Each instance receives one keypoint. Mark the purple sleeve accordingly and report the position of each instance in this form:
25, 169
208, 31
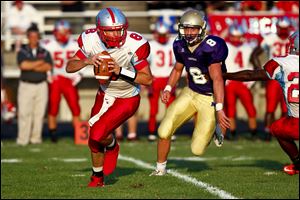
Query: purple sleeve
178, 56
219, 51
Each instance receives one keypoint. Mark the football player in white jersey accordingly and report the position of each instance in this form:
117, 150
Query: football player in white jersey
119, 98
62, 47
239, 58
275, 45
161, 61
285, 70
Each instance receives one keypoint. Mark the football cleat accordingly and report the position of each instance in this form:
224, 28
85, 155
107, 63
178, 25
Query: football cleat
291, 169
96, 182
110, 159
132, 137
157, 172
173, 138
218, 136
151, 138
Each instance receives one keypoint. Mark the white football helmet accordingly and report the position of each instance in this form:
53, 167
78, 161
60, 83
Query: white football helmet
112, 19
192, 19
283, 26
161, 32
62, 31
294, 43
236, 34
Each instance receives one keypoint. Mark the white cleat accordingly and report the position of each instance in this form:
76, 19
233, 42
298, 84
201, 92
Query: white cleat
158, 172
173, 138
152, 138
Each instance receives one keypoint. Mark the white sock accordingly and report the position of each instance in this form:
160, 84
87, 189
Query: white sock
97, 169
161, 166
112, 143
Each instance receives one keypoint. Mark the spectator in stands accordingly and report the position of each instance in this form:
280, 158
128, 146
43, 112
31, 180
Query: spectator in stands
74, 6
20, 18
253, 5
34, 63
286, 6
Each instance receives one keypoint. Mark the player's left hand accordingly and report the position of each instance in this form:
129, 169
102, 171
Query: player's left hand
223, 120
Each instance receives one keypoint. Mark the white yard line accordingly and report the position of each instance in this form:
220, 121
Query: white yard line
13, 160
211, 189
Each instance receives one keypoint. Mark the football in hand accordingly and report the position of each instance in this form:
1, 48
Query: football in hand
101, 72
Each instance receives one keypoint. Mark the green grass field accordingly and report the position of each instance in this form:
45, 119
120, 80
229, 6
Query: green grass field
241, 169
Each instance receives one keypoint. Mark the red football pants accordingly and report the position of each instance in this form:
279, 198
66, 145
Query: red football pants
234, 90
286, 128
158, 85
63, 86
117, 114
274, 95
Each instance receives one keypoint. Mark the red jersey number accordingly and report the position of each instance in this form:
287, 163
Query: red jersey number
59, 60
162, 58
293, 89
239, 59
135, 36
280, 49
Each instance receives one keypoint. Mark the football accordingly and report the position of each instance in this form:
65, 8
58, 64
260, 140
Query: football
101, 72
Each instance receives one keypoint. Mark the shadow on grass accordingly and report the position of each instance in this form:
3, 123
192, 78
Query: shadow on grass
265, 164
119, 172
190, 166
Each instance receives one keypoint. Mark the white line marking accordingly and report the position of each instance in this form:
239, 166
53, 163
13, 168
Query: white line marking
70, 159
11, 160
211, 189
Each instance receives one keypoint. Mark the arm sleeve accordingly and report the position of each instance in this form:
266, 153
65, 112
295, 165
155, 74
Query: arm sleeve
21, 57
220, 52
140, 57
80, 53
271, 68
48, 58
177, 55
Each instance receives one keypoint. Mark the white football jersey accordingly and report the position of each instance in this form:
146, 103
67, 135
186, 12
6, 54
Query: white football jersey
161, 59
239, 59
275, 45
60, 55
287, 74
125, 56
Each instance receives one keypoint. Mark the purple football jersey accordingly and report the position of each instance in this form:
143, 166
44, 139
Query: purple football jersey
211, 50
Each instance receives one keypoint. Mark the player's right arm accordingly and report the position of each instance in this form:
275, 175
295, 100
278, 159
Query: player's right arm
173, 79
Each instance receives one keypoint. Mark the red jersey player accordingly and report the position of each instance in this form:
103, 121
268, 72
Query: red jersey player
239, 58
275, 45
118, 99
285, 70
62, 47
161, 61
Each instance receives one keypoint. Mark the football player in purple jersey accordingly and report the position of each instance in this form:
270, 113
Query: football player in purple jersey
203, 57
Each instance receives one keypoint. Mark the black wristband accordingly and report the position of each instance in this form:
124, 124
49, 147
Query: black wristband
127, 74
